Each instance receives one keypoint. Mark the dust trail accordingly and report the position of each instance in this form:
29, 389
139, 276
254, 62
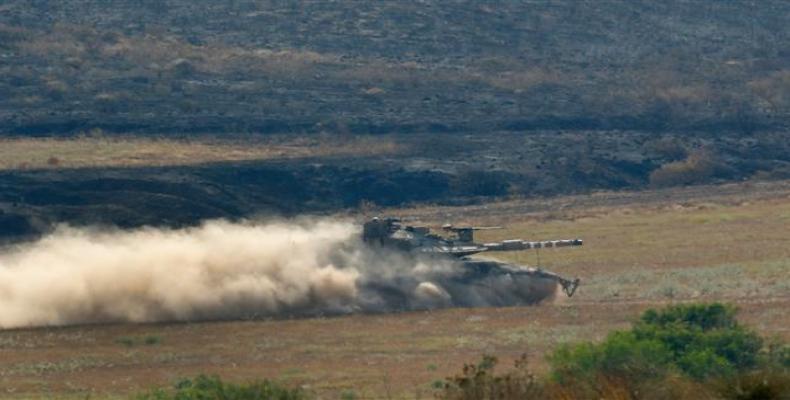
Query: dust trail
213, 271
224, 270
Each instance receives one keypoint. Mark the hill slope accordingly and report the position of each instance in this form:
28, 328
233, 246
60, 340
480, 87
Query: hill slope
518, 98
369, 67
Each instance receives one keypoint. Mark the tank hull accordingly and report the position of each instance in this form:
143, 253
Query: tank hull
464, 283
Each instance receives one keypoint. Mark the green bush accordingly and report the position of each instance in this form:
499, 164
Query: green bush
695, 351
704, 316
131, 341
700, 341
704, 339
212, 388
621, 355
777, 356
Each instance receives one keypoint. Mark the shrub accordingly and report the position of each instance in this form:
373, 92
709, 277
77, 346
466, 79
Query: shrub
152, 340
778, 356
205, 388
698, 167
704, 316
479, 382
762, 384
699, 341
704, 339
348, 395
695, 351
621, 355
131, 341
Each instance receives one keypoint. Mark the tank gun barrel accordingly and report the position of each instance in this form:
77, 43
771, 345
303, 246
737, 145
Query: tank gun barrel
451, 228
517, 244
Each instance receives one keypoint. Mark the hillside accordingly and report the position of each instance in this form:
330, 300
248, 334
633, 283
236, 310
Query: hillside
170, 112
374, 67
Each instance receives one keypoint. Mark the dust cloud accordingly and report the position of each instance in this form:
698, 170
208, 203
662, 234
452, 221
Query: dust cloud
224, 270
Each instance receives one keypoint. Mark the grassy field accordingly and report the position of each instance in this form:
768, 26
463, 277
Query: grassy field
135, 151
682, 251
644, 249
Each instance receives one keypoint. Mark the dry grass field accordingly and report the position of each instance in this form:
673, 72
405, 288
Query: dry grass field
724, 243
96, 150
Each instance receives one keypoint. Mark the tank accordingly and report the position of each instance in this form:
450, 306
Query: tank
464, 279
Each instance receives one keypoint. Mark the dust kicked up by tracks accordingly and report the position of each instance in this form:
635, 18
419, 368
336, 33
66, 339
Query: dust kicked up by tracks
224, 270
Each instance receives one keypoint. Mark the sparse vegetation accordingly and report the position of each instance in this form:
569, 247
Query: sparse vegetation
180, 181
397, 68
482, 183
700, 341
480, 382
131, 341
169, 113
697, 168
205, 388
683, 351
711, 243
680, 352
92, 149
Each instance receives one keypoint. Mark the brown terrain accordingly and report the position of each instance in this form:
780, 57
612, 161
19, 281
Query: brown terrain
643, 249
655, 131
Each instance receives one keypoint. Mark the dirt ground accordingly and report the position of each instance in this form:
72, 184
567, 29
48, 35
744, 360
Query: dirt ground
710, 243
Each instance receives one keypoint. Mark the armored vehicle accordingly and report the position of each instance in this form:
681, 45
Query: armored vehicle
463, 280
